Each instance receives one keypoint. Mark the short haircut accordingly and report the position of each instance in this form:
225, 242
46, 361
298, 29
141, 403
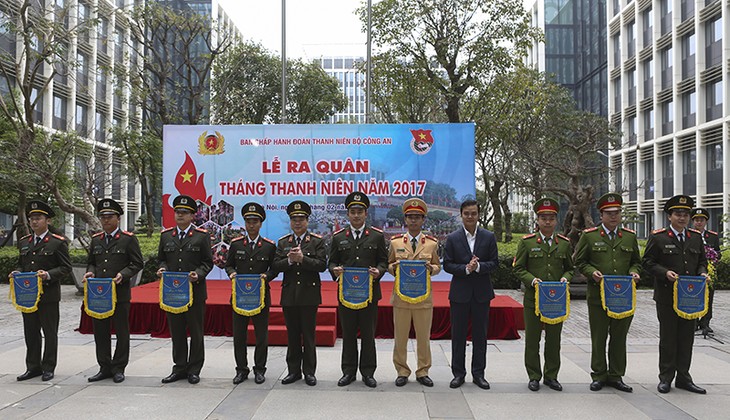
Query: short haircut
468, 203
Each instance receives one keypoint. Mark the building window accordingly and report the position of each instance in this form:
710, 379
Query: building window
647, 20
714, 96
102, 35
667, 176
688, 55
38, 107
666, 13
100, 86
116, 181
666, 56
100, 127
59, 113
648, 125
82, 70
631, 81
631, 130
616, 51
689, 171
630, 39
617, 94
689, 109
714, 168
648, 72
667, 118
633, 185
688, 9
713, 42
82, 114
648, 179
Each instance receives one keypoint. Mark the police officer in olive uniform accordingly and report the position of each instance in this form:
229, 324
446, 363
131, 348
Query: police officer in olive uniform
607, 249
47, 254
252, 254
670, 253
542, 256
114, 254
700, 217
359, 245
301, 256
185, 248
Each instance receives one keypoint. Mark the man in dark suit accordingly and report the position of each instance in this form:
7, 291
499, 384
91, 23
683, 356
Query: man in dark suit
711, 239
470, 254
115, 254
670, 253
359, 245
185, 248
301, 256
47, 254
252, 254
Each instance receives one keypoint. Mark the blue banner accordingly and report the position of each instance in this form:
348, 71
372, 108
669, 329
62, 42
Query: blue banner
691, 297
100, 297
25, 291
249, 293
412, 281
618, 296
176, 292
552, 301
356, 287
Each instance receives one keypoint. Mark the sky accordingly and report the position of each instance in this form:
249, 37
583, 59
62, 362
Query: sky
314, 27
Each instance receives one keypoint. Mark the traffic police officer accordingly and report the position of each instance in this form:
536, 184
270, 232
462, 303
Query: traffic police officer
542, 256
671, 252
114, 254
185, 248
711, 239
47, 254
301, 256
607, 249
252, 254
359, 245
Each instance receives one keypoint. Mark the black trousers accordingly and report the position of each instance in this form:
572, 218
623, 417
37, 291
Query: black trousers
301, 353
363, 320
460, 314
676, 337
45, 319
192, 320
240, 332
103, 340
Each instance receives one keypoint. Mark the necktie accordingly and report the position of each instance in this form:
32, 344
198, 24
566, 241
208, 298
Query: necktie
253, 245
182, 234
299, 241
108, 238
37, 240
681, 237
611, 235
549, 241
357, 234
413, 244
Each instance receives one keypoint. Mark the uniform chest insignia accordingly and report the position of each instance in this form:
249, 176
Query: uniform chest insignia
536, 249
344, 241
670, 246
401, 250
599, 244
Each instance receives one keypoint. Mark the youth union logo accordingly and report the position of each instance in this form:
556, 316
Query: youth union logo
422, 141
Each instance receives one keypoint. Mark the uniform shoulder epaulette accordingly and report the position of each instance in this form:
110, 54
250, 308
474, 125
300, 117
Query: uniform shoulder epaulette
315, 235
529, 235
285, 236
167, 230
128, 233
341, 230
694, 231
593, 229
268, 240
433, 238
26, 237
655, 231
97, 234
237, 239
628, 230
201, 230
712, 232
63, 238
376, 229
400, 235
563, 237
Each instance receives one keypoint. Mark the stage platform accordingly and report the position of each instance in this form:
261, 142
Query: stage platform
146, 317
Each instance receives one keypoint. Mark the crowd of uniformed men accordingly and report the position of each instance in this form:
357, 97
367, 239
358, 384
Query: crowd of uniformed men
470, 254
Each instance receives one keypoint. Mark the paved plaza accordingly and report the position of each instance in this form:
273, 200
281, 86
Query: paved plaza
70, 396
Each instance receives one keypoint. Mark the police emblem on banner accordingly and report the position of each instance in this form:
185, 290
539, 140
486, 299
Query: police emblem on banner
176, 292
25, 291
100, 297
211, 144
356, 287
248, 294
691, 297
412, 281
552, 301
618, 296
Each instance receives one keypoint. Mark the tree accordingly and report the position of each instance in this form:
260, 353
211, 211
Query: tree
313, 96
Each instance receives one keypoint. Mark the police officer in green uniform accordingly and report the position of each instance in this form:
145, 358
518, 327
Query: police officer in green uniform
610, 250
252, 254
185, 248
711, 239
114, 254
542, 256
47, 254
671, 252
359, 245
301, 256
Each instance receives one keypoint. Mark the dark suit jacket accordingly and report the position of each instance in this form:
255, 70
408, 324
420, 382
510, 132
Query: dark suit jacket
457, 255
301, 285
242, 260
122, 255
192, 253
368, 251
50, 255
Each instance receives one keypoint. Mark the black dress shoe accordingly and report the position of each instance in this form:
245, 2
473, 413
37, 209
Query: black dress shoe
346, 379
425, 381
691, 387
173, 377
369, 381
47, 376
533, 385
401, 380
553, 384
193, 378
621, 386
456, 382
310, 380
596, 386
291, 378
118, 377
29, 374
663, 387
259, 378
99, 376
481, 382
240, 377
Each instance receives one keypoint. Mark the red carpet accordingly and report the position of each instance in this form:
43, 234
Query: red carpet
146, 317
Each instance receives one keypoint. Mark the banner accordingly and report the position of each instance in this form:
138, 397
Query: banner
25, 291
412, 281
691, 297
356, 287
618, 296
249, 294
223, 167
100, 297
176, 292
552, 301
